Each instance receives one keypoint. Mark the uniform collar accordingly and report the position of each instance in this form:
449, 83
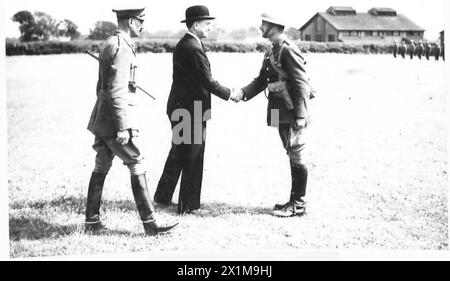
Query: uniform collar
279, 40
126, 37
196, 37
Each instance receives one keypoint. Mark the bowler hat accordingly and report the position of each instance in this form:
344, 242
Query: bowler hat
130, 13
272, 19
198, 12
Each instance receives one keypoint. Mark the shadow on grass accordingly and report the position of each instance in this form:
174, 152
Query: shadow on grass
37, 229
73, 204
78, 206
218, 209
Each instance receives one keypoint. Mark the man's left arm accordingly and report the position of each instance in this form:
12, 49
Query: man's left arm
298, 80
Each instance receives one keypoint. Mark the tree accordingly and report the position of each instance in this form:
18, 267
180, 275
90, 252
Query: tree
39, 26
26, 25
102, 29
67, 28
46, 26
293, 33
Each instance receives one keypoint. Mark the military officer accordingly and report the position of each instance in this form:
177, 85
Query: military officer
113, 122
283, 74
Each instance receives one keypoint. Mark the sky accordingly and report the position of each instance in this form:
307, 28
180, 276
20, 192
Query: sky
230, 14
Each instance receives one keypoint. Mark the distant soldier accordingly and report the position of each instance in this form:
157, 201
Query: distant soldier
419, 50
395, 49
113, 122
428, 50
412, 49
437, 51
402, 49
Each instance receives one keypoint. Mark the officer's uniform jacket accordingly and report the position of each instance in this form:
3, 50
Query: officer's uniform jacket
115, 108
292, 62
192, 79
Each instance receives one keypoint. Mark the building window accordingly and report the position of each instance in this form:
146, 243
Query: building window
308, 37
319, 37
389, 33
410, 33
331, 38
346, 33
396, 33
353, 33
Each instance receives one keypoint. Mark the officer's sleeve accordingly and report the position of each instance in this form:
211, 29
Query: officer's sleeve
257, 85
298, 80
201, 64
121, 58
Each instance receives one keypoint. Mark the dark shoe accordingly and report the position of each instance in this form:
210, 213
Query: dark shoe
280, 206
162, 203
93, 227
94, 197
153, 227
187, 207
291, 210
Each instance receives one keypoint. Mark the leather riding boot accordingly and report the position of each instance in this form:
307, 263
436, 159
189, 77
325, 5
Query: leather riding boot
296, 205
145, 207
94, 197
299, 176
299, 173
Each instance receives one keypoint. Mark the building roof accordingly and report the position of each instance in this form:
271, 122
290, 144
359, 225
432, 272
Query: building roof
342, 8
366, 21
382, 9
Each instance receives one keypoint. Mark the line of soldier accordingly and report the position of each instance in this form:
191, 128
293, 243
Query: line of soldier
412, 49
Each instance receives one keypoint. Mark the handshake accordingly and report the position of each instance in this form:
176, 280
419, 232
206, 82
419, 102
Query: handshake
236, 95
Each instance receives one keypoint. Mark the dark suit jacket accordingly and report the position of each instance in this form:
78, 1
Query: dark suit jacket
192, 79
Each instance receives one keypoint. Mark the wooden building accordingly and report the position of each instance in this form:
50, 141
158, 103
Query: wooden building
344, 24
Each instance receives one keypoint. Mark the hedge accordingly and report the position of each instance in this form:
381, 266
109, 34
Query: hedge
167, 46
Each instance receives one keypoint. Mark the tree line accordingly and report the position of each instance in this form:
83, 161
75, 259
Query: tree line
40, 26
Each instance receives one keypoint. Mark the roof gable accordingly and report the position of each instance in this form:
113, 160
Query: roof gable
366, 21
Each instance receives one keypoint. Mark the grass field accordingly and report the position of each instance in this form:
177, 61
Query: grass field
377, 153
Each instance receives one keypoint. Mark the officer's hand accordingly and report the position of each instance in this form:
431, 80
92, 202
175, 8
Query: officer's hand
299, 123
123, 137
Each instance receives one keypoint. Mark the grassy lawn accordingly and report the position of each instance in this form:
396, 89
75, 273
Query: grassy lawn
377, 154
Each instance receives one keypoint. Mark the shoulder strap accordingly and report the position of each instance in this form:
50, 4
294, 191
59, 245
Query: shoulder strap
118, 47
281, 73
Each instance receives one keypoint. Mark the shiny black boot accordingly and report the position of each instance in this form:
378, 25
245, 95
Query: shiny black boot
94, 196
145, 207
296, 205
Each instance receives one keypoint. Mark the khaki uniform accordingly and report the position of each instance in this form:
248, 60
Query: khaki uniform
288, 57
115, 109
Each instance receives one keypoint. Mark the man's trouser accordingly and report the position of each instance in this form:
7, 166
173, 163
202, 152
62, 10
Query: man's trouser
188, 159
107, 149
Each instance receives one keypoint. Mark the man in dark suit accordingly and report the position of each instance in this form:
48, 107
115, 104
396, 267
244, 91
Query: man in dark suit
188, 109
